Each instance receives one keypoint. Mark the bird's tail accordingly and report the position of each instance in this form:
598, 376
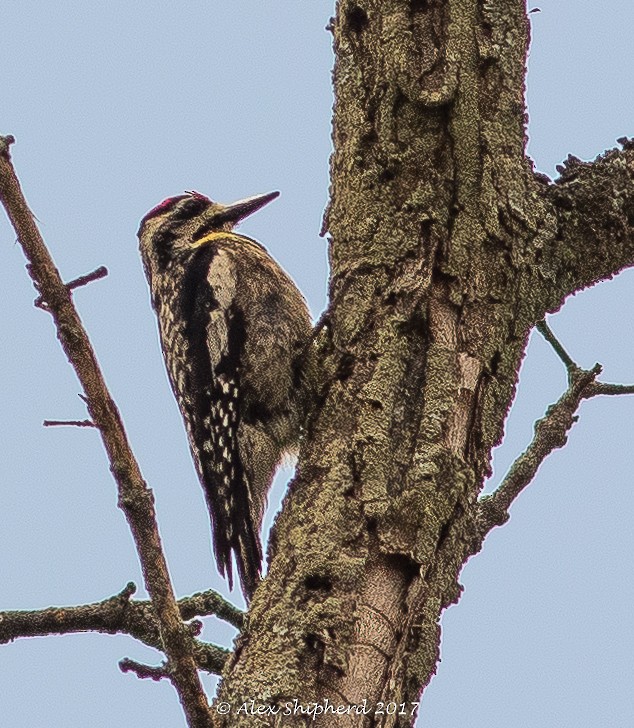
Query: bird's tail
233, 529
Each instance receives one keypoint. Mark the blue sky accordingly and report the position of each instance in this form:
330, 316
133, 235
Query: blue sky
116, 106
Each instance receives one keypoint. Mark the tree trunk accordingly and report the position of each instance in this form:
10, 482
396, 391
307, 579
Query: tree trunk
446, 249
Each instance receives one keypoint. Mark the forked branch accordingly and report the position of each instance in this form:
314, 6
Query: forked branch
551, 432
120, 615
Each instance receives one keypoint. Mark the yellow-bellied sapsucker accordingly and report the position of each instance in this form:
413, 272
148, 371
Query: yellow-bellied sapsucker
233, 329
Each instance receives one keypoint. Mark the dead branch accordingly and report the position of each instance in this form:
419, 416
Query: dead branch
119, 615
135, 498
68, 423
100, 272
551, 432
144, 671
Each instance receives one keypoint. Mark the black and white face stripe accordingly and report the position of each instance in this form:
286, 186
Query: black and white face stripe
170, 219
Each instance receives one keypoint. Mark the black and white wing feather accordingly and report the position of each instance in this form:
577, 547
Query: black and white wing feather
215, 337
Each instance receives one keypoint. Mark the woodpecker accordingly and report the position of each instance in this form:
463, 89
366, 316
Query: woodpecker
233, 328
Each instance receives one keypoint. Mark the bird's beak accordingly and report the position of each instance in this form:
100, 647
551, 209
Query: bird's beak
241, 209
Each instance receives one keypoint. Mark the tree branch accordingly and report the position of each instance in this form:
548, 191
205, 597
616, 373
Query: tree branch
144, 671
119, 615
545, 330
551, 432
84, 280
594, 208
599, 388
68, 423
203, 604
135, 498
100, 272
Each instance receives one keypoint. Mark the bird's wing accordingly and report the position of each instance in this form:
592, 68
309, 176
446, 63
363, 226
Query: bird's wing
216, 341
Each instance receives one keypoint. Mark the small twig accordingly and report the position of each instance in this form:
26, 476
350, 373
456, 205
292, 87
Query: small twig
599, 388
210, 602
144, 671
545, 330
68, 423
100, 272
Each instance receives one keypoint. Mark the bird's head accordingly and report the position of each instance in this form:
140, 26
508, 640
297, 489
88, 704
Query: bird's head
178, 225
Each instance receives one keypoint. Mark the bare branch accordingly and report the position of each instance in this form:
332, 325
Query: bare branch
210, 602
551, 432
100, 272
119, 615
112, 616
144, 671
599, 388
155, 673
545, 330
68, 423
135, 498
5, 143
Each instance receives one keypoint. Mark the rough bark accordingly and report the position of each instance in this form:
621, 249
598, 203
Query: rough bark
446, 248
